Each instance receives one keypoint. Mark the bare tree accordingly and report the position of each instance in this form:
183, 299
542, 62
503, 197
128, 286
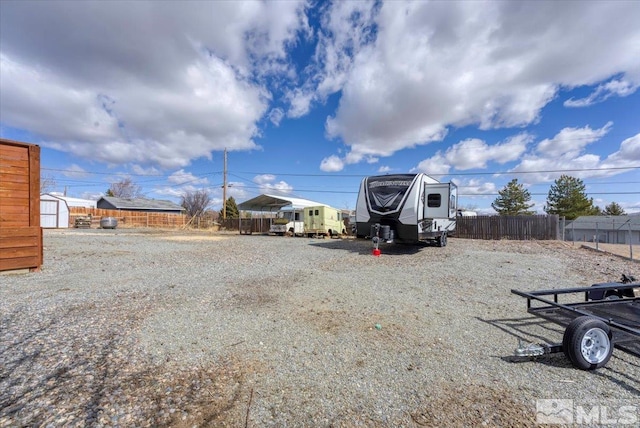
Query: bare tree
47, 183
195, 202
125, 188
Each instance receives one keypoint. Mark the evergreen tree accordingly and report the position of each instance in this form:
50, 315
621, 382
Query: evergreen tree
567, 198
513, 200
232, 208
613, 209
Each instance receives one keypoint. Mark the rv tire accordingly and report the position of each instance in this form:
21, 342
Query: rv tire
442, 240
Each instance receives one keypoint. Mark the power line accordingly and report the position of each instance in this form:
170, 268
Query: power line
284, 174
546, 194
450, 173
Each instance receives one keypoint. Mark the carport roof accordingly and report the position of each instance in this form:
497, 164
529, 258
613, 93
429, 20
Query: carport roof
274, 203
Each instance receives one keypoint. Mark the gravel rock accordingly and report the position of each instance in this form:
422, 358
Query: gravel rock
175, 328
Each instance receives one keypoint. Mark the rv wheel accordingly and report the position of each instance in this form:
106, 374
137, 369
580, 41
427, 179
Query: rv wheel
442, 240
587, 343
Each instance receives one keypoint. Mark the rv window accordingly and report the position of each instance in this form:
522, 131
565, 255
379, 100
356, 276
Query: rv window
297, 217
317, 212
434, 200
310, 213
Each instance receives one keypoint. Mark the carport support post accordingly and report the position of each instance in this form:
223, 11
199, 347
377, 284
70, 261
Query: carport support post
630, 242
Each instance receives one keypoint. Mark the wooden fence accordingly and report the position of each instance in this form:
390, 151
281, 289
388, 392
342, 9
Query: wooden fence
539, 227
249, 225
536, 227
129, 218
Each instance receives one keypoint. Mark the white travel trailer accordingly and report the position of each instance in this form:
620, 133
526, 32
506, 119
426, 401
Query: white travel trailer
406, 208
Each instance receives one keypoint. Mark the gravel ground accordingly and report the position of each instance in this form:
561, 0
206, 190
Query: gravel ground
174, 328
621, 250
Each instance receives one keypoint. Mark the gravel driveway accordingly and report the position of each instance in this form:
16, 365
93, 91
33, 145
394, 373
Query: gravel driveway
154, 328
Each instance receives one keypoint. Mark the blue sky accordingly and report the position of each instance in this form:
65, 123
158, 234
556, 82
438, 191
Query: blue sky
310, 97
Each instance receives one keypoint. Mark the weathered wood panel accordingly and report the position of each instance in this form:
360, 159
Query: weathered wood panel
15, 185
20, 232
22, 178
524, 228
13, 220
9, 193
20, 208
21, 248
20, 263
13, 152
252, 225
18, 241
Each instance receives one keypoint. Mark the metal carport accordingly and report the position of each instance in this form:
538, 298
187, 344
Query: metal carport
273, 203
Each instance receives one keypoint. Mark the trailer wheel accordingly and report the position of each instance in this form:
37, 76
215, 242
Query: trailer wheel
442, 240
612, 295
587, 343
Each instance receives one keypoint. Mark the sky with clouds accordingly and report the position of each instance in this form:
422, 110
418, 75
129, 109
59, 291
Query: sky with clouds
309, 97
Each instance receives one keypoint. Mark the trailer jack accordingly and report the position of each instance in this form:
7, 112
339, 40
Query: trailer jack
376, 250
380, 233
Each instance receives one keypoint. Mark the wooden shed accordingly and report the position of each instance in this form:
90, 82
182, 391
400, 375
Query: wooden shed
54, 212
55, 209
20, 232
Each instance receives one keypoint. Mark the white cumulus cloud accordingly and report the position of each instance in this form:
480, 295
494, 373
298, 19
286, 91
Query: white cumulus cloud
434, 65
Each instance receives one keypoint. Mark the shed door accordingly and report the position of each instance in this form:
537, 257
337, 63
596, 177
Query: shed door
49, 213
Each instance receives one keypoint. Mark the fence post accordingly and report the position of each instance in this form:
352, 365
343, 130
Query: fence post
597, 233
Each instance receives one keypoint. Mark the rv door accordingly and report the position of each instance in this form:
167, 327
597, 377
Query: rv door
440, 200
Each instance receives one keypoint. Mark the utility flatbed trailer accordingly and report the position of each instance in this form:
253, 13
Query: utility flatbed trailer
607, 316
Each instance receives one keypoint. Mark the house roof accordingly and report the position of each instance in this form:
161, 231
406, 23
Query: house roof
274, 203
72, 202
141, 204
614, 222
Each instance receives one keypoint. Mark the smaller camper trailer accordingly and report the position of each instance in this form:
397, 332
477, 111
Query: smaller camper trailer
288, 220
323, 220
406, 208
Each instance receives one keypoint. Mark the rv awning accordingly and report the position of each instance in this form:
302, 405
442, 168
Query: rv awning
275, 203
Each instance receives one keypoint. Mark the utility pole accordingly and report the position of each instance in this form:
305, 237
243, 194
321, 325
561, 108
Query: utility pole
224, 187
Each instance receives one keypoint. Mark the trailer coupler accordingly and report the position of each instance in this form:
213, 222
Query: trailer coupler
381, 233
536, 349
